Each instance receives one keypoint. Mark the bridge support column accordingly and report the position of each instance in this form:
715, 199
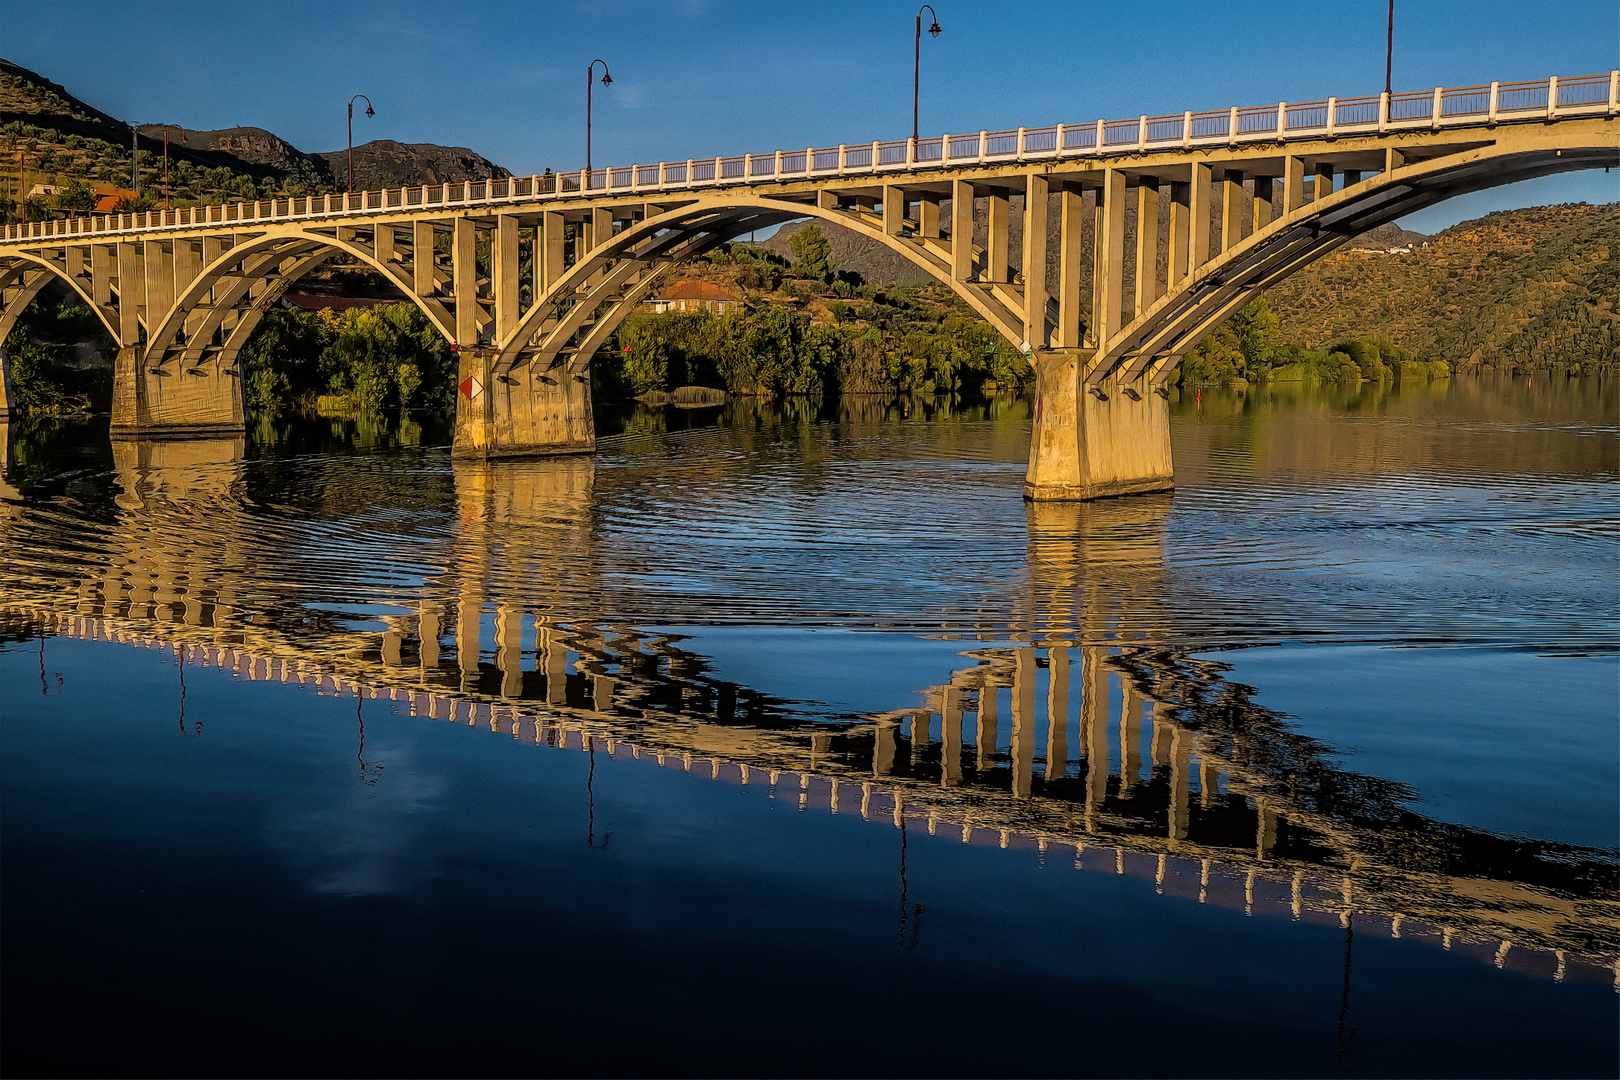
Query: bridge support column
166, 397
522, 412
1094, 444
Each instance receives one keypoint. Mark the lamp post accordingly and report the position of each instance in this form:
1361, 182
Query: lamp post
916, 68
607, 80
349, 166
166, 164
1389, 47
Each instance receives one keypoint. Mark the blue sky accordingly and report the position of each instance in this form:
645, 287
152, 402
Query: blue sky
694, 78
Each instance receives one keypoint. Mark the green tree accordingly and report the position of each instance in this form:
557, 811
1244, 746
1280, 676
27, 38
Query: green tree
812, 252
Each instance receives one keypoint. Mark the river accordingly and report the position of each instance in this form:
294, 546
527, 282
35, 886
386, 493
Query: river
785, 740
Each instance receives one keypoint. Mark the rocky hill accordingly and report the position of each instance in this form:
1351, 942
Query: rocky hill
72, 139
385, 163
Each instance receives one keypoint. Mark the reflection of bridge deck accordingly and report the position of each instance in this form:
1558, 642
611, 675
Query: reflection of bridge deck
1218, 830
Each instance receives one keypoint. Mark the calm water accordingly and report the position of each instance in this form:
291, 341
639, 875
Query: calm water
776, 742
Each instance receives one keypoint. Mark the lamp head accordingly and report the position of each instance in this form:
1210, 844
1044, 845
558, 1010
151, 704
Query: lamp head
607, 80
370, 111
934, 29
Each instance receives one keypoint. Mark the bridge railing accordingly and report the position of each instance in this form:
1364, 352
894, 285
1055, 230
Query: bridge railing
1495, 103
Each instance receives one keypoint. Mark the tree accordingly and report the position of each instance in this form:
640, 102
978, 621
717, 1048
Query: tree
812, 253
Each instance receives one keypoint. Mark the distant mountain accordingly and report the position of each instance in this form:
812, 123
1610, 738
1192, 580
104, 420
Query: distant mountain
385, 163
29, 98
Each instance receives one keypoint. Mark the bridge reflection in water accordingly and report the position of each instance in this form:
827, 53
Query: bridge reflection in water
1079, 730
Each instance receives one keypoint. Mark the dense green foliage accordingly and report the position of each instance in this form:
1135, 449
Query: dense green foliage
365, 358
42, 382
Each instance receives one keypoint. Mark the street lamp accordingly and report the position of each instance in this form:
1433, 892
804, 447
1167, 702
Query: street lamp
1389, 47
916, 69
607, 80
369, 112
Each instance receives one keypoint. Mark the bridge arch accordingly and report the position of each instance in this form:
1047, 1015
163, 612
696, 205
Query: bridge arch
21, 279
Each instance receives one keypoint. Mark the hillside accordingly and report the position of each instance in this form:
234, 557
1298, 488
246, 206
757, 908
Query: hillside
1521, 286
68, 140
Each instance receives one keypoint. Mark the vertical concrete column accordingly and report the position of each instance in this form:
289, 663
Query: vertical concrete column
1293, 184
1180, 763
987, 734
950, 736
1264, 188
1057, 712
1322, 186
429, 625
961, 230
469, 616
1231, 209
1109, 299
551, 658
382, 243
894, 209
505, 272
1393, 159
997, 245
509, 648
1036, 190
1071, 218
464, 274
1023, 716
1352, 177
422, 258
1147, 243
554, 226
159, 277
1057, 462
1200, 216
1094, 727
1177, 267
187, 268
74, 258
1130, 738
928, 214
101, 273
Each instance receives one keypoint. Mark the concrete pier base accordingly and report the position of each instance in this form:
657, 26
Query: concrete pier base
523, 412
1094, 445
175, 397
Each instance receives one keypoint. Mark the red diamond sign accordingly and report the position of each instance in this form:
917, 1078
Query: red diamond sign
471, 387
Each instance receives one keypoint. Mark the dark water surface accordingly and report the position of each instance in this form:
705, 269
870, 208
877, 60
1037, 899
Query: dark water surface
783, 742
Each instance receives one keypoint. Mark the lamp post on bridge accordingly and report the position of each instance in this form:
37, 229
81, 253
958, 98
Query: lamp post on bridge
607, 80
349, 166
916, 67
1389, 48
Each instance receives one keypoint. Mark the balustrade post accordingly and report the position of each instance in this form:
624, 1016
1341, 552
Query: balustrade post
843, 158
1552, 98
1186, 130
1383, 112
911, 153
748, 168
1282, 120
1333, 115
1141, 134
1232, 126
809, 160
1022, 148
1490, 117
719, 169
1057, 147
1437, 99
875, 152
466, 191
691, 178
1614, 92
1102, 133
984, 145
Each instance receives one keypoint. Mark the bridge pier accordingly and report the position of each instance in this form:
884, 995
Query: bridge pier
1095, 444
175, 396
520, 412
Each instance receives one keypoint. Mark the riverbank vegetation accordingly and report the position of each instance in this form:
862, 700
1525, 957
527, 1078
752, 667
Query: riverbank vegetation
386, 356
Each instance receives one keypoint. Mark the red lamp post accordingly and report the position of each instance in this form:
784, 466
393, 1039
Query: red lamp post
916, 70
349, 167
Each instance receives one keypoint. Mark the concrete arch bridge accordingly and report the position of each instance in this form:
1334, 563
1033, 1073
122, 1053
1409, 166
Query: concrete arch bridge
1244, 198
